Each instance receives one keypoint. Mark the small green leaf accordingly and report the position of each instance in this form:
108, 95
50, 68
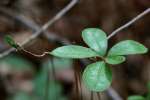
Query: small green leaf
115, 59
97, 76
127, 47
95, 39
11, 41
73, 51
136, 97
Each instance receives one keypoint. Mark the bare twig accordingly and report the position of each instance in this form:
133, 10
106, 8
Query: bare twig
98, 96
129, 23
50, 22
91, 97
113, 94
33, 54
33, 25
44, 27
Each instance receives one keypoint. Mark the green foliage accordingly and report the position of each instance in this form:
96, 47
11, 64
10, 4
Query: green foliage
74, 51
11, 42
136, 97
21, 96
127, 47
98, 76
55, 89
58, 63
16, 63
115, 59
95, 39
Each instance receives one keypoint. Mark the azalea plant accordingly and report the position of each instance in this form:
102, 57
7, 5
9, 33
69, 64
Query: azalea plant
98, 75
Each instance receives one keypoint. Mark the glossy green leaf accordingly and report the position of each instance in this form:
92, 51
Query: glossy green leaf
136, 97
115, 59
127, 47
11, 41
73, 51
95, 39
97, 76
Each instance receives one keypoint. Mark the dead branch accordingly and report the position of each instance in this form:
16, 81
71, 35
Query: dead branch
129, 23
44, 27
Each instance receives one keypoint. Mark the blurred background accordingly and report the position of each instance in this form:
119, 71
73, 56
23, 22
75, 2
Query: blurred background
24, 77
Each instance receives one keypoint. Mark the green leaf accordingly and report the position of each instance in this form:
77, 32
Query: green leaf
95, 39
73, 51
115, 59
97, 77
136, 97
127, 47
11, 42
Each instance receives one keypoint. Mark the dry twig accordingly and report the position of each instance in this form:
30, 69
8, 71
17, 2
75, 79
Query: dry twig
44, 27
129, 23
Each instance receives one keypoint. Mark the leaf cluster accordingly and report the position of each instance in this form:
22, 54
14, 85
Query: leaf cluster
98, 75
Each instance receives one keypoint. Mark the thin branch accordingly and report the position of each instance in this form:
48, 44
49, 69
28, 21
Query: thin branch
98, 96
91, 97
113, 94
44, 27
129, 23
33, 26
50, 22
76, 82
33, 54
46, 96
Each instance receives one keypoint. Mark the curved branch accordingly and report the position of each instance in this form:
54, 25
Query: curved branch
129, 23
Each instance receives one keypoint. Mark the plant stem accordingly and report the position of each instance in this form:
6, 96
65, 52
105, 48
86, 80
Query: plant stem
54, 75
76, 82
35, 55
79, 81
47, 84
91, 96
98, 95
